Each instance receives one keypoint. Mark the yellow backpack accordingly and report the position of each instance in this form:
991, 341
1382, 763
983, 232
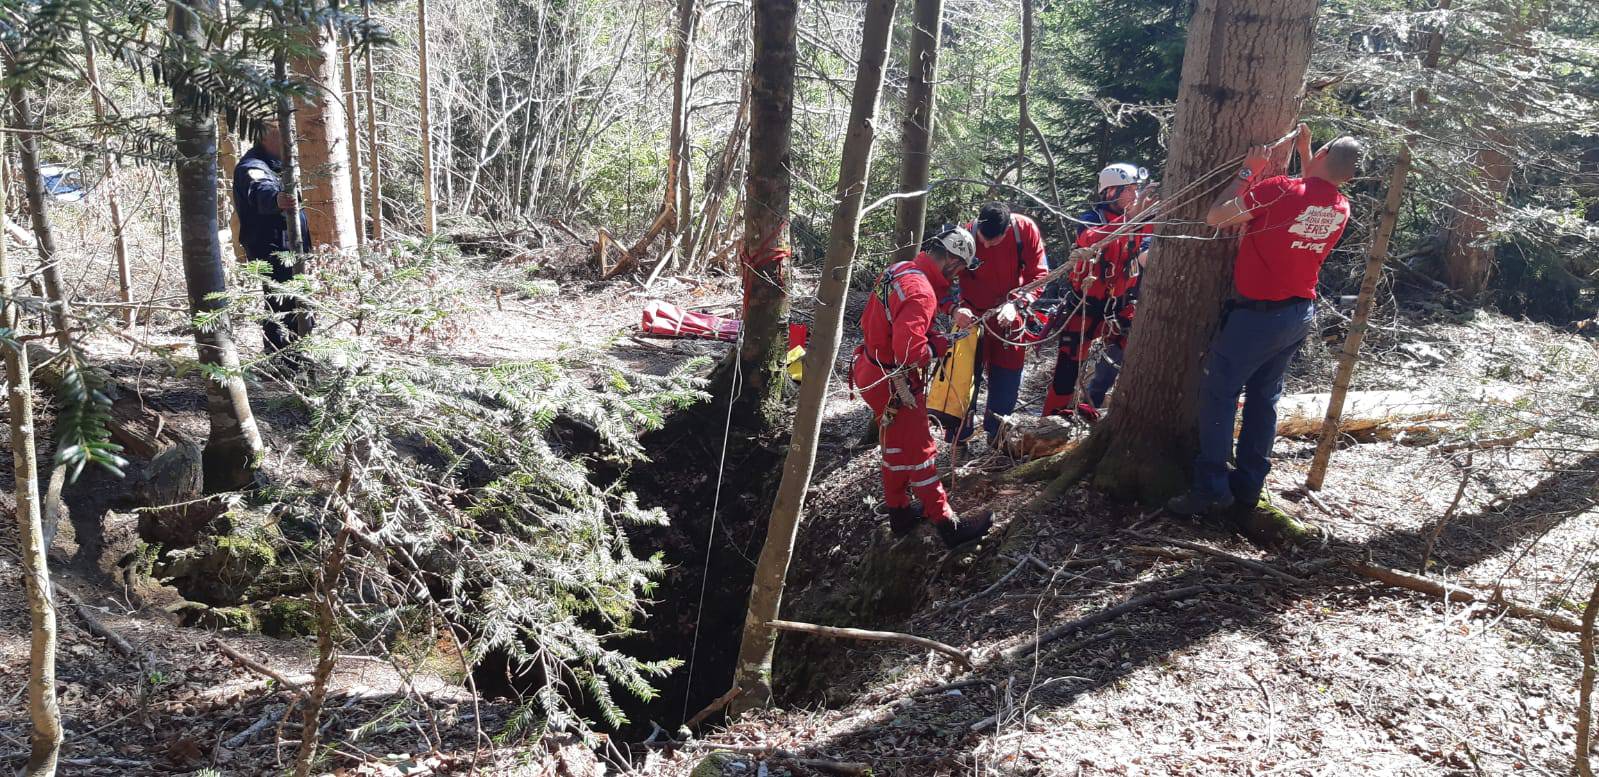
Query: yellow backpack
954, 382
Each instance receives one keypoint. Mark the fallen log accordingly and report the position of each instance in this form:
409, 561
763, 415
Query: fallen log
1383, 415
141, 431
1449, 593
959, 655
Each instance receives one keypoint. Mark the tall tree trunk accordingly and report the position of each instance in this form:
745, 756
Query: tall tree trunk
324, 148
43, 711
119, 243
233, 449
753, 374
679, 192
227, 159
373, 159
1023, 120
1585, 689
1242, 84
425, 122
916, 131
1359, 322
44, 239
352, 141
754, 668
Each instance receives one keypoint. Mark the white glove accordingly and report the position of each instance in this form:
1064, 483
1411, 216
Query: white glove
964, 318
1008, 314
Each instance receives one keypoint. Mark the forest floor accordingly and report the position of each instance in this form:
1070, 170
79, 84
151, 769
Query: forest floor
1331, 674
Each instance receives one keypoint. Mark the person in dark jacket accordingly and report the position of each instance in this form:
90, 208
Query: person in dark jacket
260, 201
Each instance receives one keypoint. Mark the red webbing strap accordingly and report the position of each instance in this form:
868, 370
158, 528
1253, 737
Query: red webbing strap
770, 253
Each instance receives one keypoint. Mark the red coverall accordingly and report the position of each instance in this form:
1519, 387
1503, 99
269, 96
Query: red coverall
1104, 288
1001, 272
898, 335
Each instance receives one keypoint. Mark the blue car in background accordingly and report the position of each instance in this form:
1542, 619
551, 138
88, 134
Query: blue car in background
62, 183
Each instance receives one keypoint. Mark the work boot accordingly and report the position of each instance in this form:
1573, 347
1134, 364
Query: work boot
956, 531
1194, 504
904, 520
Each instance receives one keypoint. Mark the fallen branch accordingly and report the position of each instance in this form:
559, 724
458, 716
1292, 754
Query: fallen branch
840, 767
1108, 614
1585, 688
1221, 554
959, 655
711, 709
1000, 583
272, 716
1435, 589
296, 685
99, 629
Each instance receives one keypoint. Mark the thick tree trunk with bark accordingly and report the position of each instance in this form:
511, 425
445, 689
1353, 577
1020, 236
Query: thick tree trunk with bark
43, 710
1242, 84
916, 131
425, 122
227, 159
753, 672
1469, 250
324, 147
753, 375
233, 450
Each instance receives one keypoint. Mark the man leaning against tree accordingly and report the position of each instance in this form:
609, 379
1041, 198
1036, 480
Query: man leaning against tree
1289, 225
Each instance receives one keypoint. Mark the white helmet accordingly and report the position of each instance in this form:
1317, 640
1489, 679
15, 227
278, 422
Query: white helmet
958, 242
1121, 174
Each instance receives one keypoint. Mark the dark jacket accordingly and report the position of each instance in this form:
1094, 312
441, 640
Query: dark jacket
263, 231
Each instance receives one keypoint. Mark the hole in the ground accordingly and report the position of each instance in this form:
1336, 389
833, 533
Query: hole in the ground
681, 478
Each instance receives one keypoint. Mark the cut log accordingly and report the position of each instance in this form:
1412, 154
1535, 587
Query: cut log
1450, 593
1382, 415
141, 431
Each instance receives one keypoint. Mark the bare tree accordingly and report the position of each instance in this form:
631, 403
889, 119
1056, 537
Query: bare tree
42, 707
1223, 107
753, 676
374, 161
910, 214
1585, 692
108, 167
352, 140
1023, 119
233, 450
425, 122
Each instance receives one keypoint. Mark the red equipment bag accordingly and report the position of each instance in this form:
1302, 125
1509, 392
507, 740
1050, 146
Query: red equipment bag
663, 319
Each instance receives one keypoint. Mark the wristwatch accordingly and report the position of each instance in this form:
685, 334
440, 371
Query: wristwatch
1245, 174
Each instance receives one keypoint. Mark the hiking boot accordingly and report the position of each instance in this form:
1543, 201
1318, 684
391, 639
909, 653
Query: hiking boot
1194, 504
956, 531
904, 520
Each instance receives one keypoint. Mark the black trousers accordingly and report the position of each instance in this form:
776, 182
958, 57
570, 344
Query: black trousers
287, 316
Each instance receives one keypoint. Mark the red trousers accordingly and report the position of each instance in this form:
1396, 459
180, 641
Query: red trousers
909, 452
1096, 318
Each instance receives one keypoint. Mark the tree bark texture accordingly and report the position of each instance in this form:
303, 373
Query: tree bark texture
1022, 118
753, 374
678, 194
373, 160
38, 210
352, 141
43, 711
754, 668
324, 162
425, 122
108, 167
1359, 322
233, 449
1242, 85
916, 130
227, 159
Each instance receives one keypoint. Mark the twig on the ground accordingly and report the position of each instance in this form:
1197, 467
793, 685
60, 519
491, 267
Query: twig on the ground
1111, 613
954, 686
1449, 593
959, 655
1585, 692
827, 764
1438, 528
273, 715
293, 684
998, 584
1221, 554
99, 629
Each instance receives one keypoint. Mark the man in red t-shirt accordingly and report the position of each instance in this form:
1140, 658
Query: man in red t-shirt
1010, 254
1290, 226
890, 375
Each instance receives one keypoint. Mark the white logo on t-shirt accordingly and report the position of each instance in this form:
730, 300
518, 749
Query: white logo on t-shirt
1317, 222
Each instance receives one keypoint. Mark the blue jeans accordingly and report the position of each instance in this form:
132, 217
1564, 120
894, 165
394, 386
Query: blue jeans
1105, 372
1250, 355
